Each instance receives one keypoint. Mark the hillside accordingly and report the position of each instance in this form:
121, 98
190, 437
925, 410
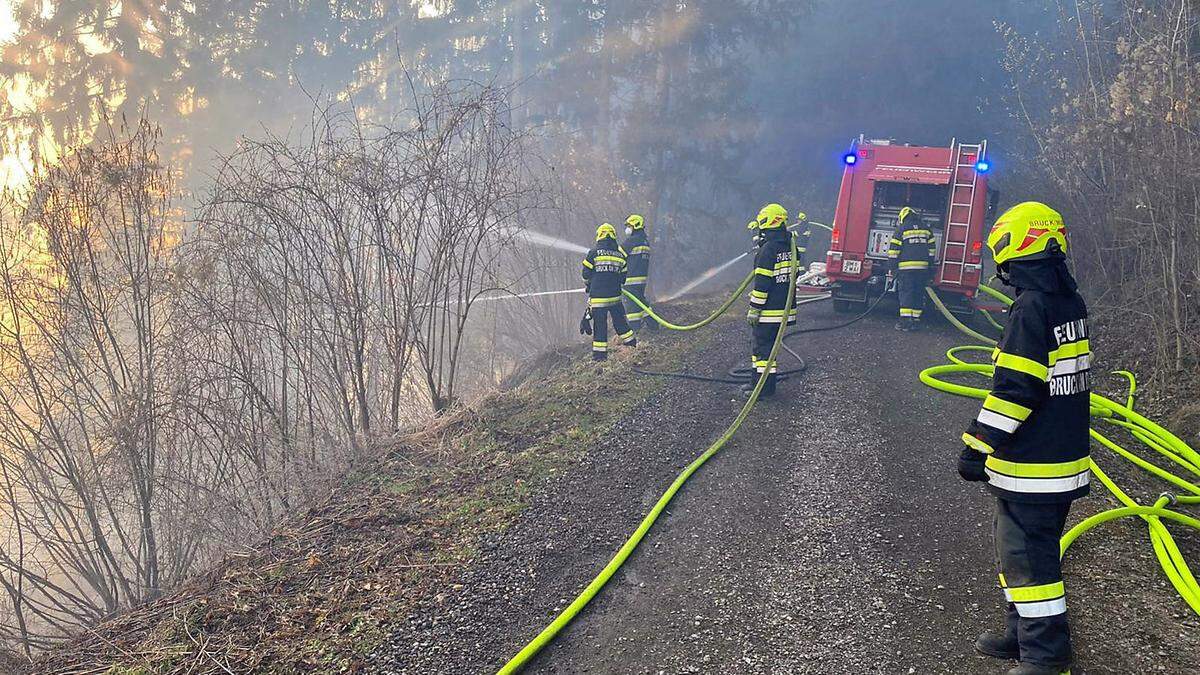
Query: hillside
830, 536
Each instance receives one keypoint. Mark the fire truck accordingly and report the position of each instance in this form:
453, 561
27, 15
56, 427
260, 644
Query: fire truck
948, 189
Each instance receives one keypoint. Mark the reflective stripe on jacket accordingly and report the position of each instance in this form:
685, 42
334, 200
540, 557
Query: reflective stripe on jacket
912, 248
1034, 424
772, 274
637, 247
604, 271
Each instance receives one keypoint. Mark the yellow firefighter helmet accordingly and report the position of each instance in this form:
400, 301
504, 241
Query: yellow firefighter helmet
771, 217
1028, 231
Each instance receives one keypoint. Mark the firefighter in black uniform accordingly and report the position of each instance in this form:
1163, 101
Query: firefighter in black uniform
604, 271
768, 296
912, 251
803, 231
637, 248
1030, 440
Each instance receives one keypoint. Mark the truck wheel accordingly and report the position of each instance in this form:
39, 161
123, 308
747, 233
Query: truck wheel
845, 306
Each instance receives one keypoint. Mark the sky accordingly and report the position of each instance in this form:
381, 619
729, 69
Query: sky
7, 27
12, 170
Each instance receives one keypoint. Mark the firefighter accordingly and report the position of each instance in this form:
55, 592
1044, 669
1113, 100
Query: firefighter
803, 230
912, 252
637, 248
1029, 442
768, 296
604, 271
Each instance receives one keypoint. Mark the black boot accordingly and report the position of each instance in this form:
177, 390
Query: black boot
599, 356
649, 323
997, 645
1034, 669
768, 389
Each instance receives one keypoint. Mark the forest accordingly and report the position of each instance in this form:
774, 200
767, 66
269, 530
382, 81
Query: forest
245, 243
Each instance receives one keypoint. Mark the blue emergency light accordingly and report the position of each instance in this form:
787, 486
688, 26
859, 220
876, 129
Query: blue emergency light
982, 166
850, 159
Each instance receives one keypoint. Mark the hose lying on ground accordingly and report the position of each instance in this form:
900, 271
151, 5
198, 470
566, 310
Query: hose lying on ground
739, 375
836, 326
549, 632
1146, 431
743, 374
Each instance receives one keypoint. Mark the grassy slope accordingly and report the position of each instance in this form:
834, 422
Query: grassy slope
319, 594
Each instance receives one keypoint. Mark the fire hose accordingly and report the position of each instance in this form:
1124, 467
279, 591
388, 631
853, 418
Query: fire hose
699, 324
1148, 432
560, 622
1122, 416
742, 375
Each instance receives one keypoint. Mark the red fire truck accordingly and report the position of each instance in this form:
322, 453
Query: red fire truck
946, 186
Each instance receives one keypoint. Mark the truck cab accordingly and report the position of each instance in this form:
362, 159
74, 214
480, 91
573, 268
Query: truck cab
947, 187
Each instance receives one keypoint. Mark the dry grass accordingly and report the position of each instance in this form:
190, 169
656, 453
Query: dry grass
320, 593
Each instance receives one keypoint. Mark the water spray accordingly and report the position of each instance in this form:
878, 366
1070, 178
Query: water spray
708, 274
546, 240
538, 294
508, 296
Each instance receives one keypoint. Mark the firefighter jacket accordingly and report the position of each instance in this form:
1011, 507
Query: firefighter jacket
637, 247
1033, 426
604, 271
772, 275
913, 247
803, 234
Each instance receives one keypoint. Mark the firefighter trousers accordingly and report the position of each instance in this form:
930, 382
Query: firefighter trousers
1027, 550
600, 317
763, 338
910, 289
634, 313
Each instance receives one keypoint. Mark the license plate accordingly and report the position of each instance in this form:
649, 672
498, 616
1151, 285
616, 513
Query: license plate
852, 266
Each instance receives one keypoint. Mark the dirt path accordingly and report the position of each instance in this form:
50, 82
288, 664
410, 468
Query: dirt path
831, 535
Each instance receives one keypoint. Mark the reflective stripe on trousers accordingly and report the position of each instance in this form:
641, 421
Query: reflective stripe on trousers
1027, 552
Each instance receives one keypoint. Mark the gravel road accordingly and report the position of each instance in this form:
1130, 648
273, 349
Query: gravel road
830, 536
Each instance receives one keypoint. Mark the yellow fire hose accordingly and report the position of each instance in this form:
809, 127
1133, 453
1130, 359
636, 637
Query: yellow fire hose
711, 317
551, 631
1150, 434
699, 324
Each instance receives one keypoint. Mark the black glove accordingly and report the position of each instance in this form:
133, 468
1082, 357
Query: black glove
971, 465
585, 324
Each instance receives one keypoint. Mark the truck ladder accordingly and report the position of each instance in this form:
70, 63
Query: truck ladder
964, 179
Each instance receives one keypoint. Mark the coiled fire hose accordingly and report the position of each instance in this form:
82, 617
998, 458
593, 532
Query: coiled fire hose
1123, 416
556, 626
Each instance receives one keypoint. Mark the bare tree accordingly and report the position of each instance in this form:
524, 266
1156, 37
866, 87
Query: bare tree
1118, 135
84, 406
168, 393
